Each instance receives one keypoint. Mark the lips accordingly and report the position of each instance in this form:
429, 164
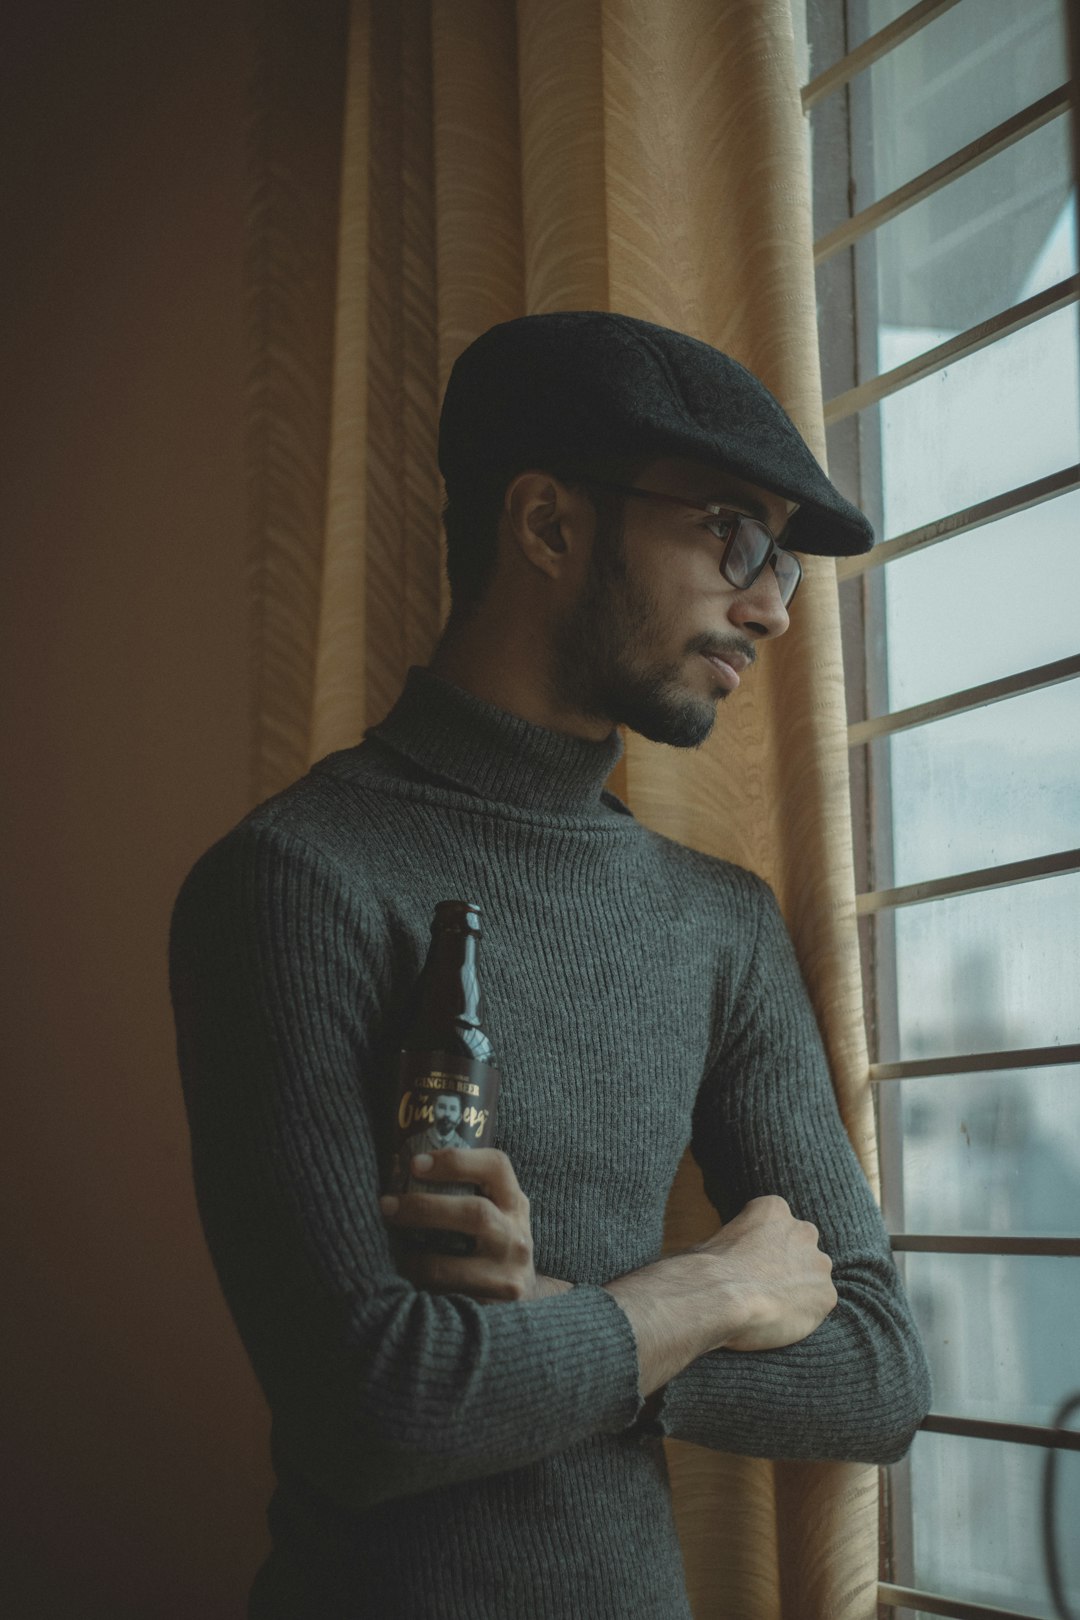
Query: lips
728, 666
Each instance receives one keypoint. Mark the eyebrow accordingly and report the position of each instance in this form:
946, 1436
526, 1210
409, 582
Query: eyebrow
730, 498
755, 507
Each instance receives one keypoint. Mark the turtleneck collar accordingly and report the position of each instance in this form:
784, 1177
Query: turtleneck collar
493, 753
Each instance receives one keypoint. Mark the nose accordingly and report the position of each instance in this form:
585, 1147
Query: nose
758, 609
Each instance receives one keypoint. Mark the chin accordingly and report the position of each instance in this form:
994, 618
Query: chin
664, 717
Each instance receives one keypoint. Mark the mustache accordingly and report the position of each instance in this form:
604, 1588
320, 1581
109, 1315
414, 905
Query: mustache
720, 647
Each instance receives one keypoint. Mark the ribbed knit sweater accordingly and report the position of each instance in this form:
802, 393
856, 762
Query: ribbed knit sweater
438, 1457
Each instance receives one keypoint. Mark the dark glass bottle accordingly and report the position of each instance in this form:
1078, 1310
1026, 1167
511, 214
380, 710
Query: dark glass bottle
447, 1073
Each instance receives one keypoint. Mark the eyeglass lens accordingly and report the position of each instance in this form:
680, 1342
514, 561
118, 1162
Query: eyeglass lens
747, 554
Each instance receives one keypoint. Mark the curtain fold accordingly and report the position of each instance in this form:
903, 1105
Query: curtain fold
292, 214
339, 695
487, 161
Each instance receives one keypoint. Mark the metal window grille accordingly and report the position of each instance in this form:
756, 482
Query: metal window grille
848, 39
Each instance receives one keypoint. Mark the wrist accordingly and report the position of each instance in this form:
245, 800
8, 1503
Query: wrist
675, 1308
731, 1305
717, 1306
547, 1287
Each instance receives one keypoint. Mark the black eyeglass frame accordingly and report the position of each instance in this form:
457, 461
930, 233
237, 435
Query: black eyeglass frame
741, 520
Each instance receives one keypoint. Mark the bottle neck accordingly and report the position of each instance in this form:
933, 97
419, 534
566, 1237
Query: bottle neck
451, 986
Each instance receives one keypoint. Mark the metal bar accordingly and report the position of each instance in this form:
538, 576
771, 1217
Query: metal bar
872, 49
1072, 29
1024, 1057
1020, 1434
966, 343
987, 877
1012, 501
907, 1597
972, 697
958, 163
949, 1243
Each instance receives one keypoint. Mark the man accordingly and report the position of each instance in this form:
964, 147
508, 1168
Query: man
482, 1436
443, 1132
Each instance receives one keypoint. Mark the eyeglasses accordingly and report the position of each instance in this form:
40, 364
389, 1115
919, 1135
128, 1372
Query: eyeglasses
749, 546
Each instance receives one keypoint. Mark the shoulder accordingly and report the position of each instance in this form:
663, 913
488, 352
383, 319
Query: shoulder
709, 879
320, 819
298, 859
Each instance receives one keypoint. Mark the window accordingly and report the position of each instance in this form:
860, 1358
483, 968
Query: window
946, 246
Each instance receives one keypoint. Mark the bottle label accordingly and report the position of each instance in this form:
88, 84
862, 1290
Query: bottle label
443, 1101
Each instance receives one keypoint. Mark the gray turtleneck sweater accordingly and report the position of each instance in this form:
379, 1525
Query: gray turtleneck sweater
437, 1457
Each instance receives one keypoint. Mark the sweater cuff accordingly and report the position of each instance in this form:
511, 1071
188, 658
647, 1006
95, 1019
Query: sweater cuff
606, 1329
705, 1398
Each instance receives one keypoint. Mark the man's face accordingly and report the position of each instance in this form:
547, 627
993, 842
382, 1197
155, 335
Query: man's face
447, 1114
632, 648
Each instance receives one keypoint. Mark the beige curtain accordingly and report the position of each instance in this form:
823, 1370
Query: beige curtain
421, 169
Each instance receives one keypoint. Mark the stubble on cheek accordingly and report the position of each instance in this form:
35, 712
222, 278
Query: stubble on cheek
626, 669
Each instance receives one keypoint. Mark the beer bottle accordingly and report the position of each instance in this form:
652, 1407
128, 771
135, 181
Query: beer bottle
448, 1081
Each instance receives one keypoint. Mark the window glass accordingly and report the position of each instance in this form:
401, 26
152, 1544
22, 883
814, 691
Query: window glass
989, 971
996, 236
996, 784
976, 1530
871, 16
984, 604
959, 76
998, 1331
1003, 416
865, 17
997, 1152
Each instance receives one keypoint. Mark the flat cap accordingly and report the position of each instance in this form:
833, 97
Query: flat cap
584, 383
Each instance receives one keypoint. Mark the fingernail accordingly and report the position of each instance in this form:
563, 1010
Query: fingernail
422, 1162
389, 1204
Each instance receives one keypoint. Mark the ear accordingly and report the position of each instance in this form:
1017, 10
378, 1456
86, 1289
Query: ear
544, 519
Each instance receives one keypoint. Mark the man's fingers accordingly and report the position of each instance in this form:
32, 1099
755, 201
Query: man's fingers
488, 1168
492, 1228
485, 1280
469, 1214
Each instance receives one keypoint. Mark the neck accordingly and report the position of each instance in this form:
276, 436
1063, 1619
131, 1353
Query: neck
501, 662
470, 742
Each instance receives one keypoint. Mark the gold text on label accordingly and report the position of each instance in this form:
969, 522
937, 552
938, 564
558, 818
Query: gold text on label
409, 1113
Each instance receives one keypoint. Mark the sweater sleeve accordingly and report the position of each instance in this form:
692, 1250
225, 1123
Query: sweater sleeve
377, 1389
766, 1121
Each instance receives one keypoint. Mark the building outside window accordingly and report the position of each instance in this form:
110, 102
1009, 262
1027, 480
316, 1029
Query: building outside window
946, 249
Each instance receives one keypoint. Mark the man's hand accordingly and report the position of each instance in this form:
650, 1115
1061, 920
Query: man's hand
501, 1268
759, 1283
772, 1265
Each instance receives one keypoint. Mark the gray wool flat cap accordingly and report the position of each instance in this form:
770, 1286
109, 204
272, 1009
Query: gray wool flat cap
586, 383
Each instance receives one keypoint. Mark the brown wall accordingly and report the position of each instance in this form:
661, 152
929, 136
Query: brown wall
134, 1438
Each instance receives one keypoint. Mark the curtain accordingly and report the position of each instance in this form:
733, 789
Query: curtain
419, 170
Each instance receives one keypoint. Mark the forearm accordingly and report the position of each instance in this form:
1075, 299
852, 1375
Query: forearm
440, 1391
679, 1309
855, 1390
766, 1122
677, 1315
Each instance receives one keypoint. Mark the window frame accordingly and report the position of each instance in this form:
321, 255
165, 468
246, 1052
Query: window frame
847, 306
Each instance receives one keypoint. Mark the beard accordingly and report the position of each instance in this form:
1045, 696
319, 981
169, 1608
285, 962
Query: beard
600, 666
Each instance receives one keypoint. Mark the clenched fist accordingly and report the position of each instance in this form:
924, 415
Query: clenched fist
772, 1264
